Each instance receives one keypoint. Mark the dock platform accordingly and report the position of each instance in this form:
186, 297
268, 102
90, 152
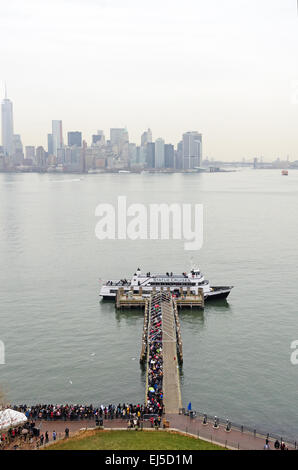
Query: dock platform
138, 300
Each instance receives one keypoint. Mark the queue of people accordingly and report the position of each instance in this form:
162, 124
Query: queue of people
68, 412
155, 364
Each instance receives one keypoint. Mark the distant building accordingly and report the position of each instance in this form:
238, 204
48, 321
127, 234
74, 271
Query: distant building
138, 154
95, 157
61, 155
179, 156
30, 153
7, 125
150, 157
74, 139
143, 155
119, 144
118, 136
72, 158
132, 150
146, 137
159, 153
18, 155
192, 150
50, 144
41, 157
57, 136
98, 139
169, 156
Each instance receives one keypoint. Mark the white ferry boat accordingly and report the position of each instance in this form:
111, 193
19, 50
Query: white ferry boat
193, 280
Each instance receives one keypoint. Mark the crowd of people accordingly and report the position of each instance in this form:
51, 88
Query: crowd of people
20, 436
69, 412
155, 364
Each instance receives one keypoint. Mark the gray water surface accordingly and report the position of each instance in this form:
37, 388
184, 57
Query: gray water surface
63, 345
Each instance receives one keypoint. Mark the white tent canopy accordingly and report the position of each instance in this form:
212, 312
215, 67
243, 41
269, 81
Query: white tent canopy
11, 419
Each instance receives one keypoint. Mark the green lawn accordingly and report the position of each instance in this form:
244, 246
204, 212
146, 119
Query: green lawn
132, 440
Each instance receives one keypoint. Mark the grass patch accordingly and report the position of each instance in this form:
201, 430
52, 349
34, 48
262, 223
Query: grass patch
132, 440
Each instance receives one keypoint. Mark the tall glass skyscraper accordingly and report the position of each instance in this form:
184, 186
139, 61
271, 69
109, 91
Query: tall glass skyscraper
7, 125
57, 136
159, 153
192, 150
50, 144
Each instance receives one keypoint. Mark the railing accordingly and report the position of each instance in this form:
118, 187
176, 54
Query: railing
253, 432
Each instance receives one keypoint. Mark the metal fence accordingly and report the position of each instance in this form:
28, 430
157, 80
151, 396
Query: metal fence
253, 432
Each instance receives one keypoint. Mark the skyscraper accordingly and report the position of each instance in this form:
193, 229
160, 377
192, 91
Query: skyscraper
7, 125
74, 139
57, 136
150, 157
169, 156
41, 157
97, 139
192, 150
146, 137
119, 143
50, 144
132, 151
118, 136
159, 153
17, 149
30, 153
179, 156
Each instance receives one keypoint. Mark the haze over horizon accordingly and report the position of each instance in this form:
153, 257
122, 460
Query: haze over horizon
226, 68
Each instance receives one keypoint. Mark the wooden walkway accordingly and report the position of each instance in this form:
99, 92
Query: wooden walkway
171, 380
172, 353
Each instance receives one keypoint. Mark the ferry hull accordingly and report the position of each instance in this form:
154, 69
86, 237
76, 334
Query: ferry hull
215, 294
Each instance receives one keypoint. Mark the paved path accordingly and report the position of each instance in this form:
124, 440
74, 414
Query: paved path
234, 439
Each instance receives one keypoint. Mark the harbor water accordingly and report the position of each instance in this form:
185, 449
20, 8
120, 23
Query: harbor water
64, 345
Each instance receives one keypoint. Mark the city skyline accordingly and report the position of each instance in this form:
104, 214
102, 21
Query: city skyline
115, 153
227, 68
190, 145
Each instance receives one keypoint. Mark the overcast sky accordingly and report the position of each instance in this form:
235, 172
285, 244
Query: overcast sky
226, 68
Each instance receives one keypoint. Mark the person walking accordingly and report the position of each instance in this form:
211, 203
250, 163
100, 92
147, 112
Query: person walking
54, 435
277, 444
